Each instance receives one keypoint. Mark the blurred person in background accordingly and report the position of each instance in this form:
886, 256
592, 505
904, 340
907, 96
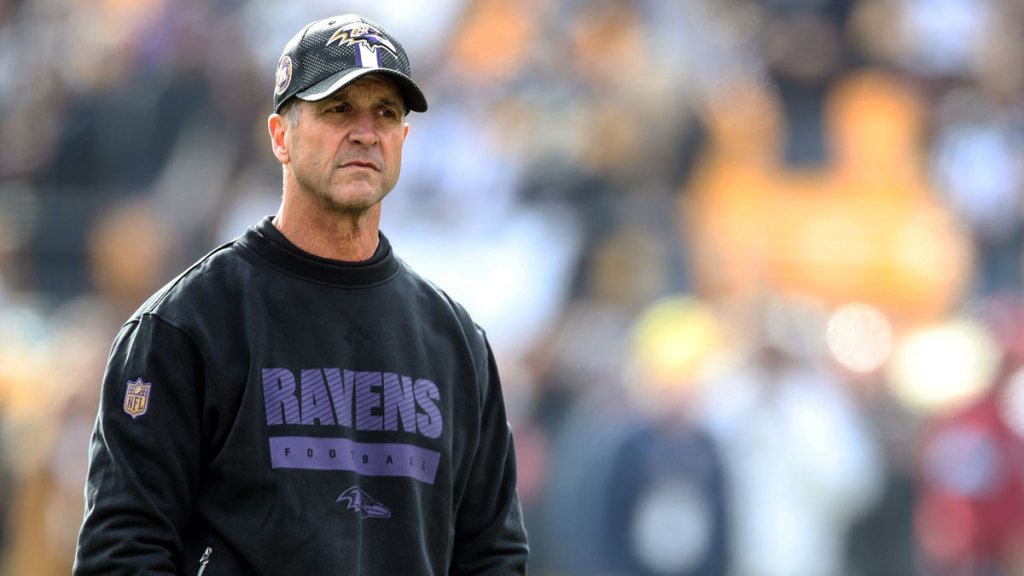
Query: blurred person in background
860, 340
637, 484
219, 445
969, 513
882, 540
578, 388
128, 251
965, 58
801, 462
804, 56
666, 499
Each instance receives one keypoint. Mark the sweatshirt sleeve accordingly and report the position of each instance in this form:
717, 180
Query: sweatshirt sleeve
144, 454
490, 538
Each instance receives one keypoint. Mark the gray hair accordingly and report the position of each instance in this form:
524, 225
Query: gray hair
290, 111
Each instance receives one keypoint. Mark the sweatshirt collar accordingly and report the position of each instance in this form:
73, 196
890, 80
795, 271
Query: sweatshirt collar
270, 244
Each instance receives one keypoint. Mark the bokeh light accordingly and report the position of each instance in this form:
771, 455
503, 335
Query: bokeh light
859, 337
943, 367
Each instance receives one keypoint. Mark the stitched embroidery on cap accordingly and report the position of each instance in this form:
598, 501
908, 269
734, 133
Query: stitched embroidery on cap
360, 33
284, 75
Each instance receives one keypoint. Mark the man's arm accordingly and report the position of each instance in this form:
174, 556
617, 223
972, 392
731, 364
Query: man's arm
490, 538
144, 455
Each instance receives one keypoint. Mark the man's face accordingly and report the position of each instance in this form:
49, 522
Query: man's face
345, 151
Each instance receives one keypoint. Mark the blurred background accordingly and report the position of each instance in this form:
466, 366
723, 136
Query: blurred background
752, 269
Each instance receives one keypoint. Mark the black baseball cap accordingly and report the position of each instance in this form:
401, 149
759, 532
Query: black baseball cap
328, 54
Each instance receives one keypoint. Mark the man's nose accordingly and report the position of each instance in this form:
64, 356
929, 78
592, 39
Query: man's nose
363, 129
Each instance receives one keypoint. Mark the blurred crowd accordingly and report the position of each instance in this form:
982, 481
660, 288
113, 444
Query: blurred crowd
752, 268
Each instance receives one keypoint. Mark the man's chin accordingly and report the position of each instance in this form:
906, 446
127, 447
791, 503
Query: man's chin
356, 198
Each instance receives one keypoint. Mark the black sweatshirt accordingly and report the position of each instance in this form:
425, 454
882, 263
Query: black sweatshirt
272, 412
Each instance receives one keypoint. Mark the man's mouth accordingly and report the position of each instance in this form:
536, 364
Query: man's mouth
361, 164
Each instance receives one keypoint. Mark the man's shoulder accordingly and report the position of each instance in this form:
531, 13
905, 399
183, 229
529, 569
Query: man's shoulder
209, 282
441, 299
430, 289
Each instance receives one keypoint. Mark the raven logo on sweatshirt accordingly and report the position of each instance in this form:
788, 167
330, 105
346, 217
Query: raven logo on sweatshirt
361, 502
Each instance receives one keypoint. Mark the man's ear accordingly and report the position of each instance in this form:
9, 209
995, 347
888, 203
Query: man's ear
279, 130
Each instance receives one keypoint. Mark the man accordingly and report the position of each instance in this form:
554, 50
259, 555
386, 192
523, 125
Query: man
299, 401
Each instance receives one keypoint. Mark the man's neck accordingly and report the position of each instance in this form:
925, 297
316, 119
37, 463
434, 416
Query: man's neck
352, 239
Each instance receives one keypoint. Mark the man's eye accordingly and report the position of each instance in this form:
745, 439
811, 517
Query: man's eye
388, 113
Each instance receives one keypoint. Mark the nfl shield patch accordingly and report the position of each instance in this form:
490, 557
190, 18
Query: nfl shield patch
136, 398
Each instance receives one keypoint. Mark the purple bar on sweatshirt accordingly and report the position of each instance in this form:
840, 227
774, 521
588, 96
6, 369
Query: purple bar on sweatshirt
368, 459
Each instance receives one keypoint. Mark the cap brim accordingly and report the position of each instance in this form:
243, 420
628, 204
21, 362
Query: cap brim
411, 93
